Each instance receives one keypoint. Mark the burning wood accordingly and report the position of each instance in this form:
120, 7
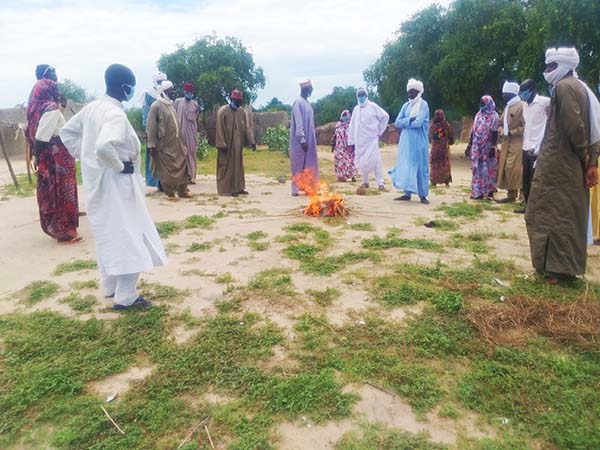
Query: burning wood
322, 202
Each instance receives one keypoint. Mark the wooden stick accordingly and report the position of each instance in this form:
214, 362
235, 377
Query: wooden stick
209, 438
192, 432
28, 161
10, 168
111, 419
385, 391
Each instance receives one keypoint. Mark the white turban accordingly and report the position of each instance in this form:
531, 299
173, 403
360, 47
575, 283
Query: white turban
164, 86
414, 84
510, 87
563, 56
158, 76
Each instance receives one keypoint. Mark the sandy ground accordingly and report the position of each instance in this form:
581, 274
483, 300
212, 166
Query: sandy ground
26, 255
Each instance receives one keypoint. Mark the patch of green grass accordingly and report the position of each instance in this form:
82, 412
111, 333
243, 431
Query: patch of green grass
161, 293
418, 384
202, 222
301, 252
256, 235
89, 284
555, 396
219, 215
167, 228
199, 247
362, 226
462, 209
375, 437
224, 278
79, 303
273, 283
448, 302
328, 265
326, 297
475, 242
74, 266
24, 190
37, 291
259, 246
300, 227
393, 291
439, 224
392, 240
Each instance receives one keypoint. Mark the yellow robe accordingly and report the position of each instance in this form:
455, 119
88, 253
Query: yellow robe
595, 204
510, 164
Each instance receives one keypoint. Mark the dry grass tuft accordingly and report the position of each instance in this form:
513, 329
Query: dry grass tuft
520, 319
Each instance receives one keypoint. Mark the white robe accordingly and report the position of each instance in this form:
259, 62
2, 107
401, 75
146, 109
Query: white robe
126, 239
366, 125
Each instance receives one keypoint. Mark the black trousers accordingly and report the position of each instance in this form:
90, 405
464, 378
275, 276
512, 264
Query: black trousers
528, 171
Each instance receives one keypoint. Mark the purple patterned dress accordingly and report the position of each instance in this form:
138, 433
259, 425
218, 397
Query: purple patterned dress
484, 164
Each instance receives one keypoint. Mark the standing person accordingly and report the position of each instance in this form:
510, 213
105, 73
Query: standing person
482, 150
150, 96
368, 122
535, 114
56, 177
567, 167
343, 154
510, 164
127, 242
441, 135
231, 130
187, 114
303, 140
167, 149
411, 173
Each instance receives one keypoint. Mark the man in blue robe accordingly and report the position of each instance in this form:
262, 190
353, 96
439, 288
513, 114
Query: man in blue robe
411, 173
303, 140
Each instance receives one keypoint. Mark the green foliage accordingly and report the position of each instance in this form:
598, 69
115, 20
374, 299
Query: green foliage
196, 221
203, 147
160, 292
80, 285
273, 283
278, 139
392, 291
481, 44
256, 235
167, 228
134, 115
393, 241
199, 247
79, 303
448, 302
362, 226
324, 298
474, 242
329, 108
74, 92
275, 105
37, 291
224, 278
216, 66
74, 266
374, 437
462, 209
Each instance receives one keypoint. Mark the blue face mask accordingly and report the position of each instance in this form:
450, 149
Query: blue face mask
598, 87
344, 118
362, 99
526, 95
188, 95
482, 108
131, 88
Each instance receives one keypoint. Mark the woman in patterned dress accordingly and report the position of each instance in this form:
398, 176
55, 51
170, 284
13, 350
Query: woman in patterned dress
343, 158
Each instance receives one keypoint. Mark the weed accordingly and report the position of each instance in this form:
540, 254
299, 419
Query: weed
224, 278
273, 283
167, 228
79, 264
438, 224
374, 437
37, 291
195, 221
462, 209
301, 252
161, 293
256, 235
199, 247
393, 291
79, 303
448, 302
475, 242
326, 297
393, 241
362, 226
258, 246
80, 285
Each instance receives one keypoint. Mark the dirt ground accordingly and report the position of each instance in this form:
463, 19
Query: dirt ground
26, 255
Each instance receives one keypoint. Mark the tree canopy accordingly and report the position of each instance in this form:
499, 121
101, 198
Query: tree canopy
470, 48
215, 66
275, 105
74, 92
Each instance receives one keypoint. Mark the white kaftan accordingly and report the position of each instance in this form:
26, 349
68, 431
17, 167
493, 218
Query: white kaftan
126, 239
368, 122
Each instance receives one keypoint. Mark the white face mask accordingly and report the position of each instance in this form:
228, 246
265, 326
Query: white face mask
556, 75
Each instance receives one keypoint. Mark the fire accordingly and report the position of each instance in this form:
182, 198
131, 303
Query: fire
322, 202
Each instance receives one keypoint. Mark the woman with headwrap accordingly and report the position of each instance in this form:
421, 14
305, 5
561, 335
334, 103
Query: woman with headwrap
567, 167
56, 177
482, 150
343, 154
441, 135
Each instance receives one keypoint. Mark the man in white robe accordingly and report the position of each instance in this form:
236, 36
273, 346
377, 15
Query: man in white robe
367, 124
127, 242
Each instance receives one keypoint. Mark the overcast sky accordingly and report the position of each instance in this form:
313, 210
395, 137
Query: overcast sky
331, 42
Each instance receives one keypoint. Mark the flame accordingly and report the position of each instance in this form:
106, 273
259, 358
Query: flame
322, 202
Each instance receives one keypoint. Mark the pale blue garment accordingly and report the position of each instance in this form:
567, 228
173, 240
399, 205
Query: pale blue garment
411, 172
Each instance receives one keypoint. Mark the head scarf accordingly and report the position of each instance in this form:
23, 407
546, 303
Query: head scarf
342, 124
161, 91
360, 91
439, 116
43, 98
42, 70
158, 76
153, 91
439, 126
509, 87
415, 103
566, 58
484, 119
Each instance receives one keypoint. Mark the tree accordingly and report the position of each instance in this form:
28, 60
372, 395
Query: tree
216, 66
470, 48
74, 92
275, 105
328, 109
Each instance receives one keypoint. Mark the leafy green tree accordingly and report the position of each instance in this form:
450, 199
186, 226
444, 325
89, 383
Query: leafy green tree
74, 92
275, 105
328, 109
216, 66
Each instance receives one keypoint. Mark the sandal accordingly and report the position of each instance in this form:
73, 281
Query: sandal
140, 302
74, 240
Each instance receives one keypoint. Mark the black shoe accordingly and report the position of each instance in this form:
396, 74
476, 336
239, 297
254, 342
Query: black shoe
476, 198
140, 302
424, 200
244, 192
404, 198
294, 194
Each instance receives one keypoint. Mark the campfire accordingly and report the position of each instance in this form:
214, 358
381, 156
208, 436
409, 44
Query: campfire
322, 202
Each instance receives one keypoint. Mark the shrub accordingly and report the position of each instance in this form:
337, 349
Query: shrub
278, 139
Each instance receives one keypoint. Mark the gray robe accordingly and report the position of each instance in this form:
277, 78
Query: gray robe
558, 207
